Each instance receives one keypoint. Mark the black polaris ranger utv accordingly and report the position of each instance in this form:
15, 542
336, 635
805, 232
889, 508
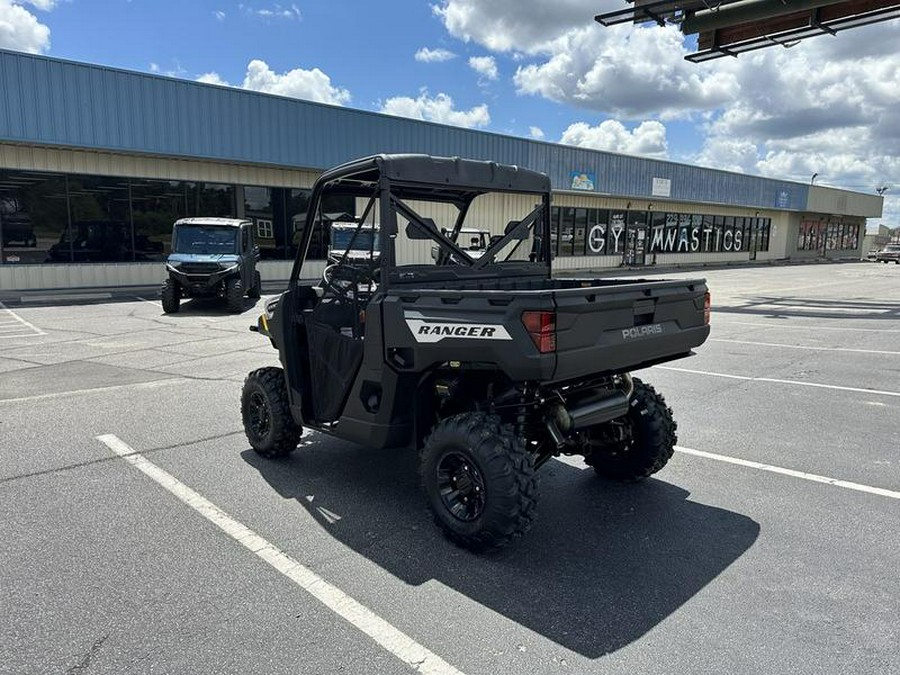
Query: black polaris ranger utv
484, 364
211, 257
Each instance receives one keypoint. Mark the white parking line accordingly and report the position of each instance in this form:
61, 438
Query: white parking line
797, 383
153, 384
811, 326
387, 636
37, 331
790, 472
71, 297
808, 347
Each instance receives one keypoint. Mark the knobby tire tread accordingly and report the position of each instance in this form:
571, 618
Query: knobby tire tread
287, 432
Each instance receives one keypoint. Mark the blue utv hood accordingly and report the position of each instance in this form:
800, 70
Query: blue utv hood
223, 258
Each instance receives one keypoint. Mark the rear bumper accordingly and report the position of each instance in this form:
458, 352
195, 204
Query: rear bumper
632, 353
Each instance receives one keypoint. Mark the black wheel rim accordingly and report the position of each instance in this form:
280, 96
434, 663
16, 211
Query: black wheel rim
258, 415
461, 486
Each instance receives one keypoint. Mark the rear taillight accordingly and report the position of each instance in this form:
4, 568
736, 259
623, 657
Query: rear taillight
707, 308
541, 326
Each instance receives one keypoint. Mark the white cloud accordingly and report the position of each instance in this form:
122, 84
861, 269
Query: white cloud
20, 30
626, 71
485, 66
219, 14
43, 5
426, 55
274, 12
536, 132
311, 85
212, 78
437, 109
829, 105
154, 67
648, 138
513, 25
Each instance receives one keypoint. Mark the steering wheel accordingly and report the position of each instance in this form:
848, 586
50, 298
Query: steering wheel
344, 280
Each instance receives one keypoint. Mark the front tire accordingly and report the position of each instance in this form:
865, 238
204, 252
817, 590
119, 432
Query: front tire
479, 481
647, 444
234, 295
266, 414
171, 296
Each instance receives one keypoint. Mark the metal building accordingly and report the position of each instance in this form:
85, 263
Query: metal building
97, 163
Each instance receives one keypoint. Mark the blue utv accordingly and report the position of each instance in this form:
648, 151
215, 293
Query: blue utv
212, 257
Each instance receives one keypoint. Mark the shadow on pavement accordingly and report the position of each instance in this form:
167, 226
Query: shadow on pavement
789, 307
209, 307
602, 566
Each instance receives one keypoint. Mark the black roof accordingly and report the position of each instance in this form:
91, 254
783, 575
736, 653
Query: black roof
454, 172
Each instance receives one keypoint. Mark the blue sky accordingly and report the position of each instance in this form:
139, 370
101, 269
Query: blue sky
528, 68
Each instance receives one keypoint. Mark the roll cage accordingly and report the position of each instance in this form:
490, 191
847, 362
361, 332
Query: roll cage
389, 182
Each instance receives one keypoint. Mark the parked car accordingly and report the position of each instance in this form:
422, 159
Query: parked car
93, 241
17, 228
890, 253
872, 255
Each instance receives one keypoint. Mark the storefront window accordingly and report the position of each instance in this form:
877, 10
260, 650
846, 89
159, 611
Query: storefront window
598, 230
211, 200
296, 205
718, 229
580, 232
260, 207
658, 221
100, 222
616, 233
567, 231
155, 206
33, 216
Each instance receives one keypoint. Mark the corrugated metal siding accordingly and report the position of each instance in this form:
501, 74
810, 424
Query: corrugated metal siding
48, 101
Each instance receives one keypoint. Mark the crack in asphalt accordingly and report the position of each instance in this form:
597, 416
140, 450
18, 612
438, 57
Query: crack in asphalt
113, 458
89, 656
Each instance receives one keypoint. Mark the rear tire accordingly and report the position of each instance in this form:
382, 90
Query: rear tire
266, 414
234, 295
651, 443
479, 481
171, 296
256, 290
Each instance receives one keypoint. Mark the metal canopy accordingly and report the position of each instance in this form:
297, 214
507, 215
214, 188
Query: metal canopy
732, 27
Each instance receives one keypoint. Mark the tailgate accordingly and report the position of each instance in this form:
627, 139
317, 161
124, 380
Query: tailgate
627, 326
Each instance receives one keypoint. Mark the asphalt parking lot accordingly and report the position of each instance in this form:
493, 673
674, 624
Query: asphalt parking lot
770, 542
